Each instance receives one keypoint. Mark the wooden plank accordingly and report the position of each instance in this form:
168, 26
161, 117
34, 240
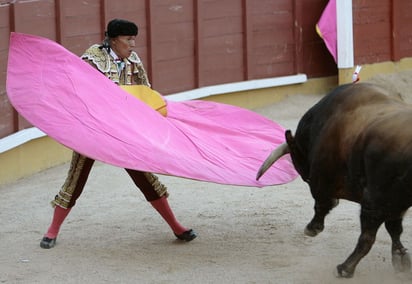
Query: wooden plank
176, 75
274, 70
403, 28
82, 24
271, 7
3, 70
222, 42
223, 54
198, 43
132, 10
214, 9
7, 118
318, 60
5, 29
247, 26
273, 38
168, 11
150, 43
104, 17
8, 115
35, 17
297, 36
59, 20
372, 29
222, 26
173, 42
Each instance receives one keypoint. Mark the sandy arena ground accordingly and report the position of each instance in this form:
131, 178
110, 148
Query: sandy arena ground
246, 235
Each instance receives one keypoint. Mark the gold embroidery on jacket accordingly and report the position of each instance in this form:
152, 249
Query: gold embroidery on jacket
133, 73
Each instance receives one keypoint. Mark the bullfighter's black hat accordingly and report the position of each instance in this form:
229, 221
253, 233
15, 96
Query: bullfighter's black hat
117, 27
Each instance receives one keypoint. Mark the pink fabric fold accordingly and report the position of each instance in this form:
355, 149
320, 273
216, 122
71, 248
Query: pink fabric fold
80, 108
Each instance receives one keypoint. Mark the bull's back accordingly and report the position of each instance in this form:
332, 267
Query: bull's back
339, 116
359, 107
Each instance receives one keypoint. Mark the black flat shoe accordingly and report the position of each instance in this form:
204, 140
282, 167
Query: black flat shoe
187, 236
47, 243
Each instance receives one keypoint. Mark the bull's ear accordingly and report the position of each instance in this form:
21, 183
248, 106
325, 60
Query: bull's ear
289, 137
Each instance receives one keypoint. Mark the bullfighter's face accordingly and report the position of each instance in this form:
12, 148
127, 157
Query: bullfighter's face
123, 45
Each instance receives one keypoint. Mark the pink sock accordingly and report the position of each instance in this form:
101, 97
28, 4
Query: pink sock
58, 217
162, 206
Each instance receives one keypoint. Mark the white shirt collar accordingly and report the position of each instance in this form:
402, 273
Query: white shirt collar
114, 55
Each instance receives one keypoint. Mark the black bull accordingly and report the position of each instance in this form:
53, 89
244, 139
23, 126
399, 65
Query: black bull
356, 144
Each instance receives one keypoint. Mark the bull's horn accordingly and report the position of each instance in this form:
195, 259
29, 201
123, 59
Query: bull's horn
281, 150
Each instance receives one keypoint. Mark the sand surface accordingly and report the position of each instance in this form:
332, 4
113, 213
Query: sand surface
246, 235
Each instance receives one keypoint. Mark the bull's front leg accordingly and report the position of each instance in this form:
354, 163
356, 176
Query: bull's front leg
400, 257
322, 208
370, 223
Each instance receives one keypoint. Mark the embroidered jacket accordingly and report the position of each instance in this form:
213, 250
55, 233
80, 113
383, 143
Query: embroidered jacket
130, 72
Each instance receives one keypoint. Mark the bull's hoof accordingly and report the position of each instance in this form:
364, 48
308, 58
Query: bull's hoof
342, 272
312, 230
401, 261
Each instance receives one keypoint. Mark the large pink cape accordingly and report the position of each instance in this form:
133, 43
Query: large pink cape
80, 108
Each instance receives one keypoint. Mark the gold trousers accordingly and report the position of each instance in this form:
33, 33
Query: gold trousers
80, 168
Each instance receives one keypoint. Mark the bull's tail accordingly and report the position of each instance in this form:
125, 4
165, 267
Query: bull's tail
276, 154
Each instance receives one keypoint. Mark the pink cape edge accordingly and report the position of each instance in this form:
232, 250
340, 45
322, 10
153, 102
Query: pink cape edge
80, 108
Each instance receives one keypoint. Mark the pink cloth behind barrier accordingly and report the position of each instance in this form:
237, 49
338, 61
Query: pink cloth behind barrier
80, 108
327, 27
